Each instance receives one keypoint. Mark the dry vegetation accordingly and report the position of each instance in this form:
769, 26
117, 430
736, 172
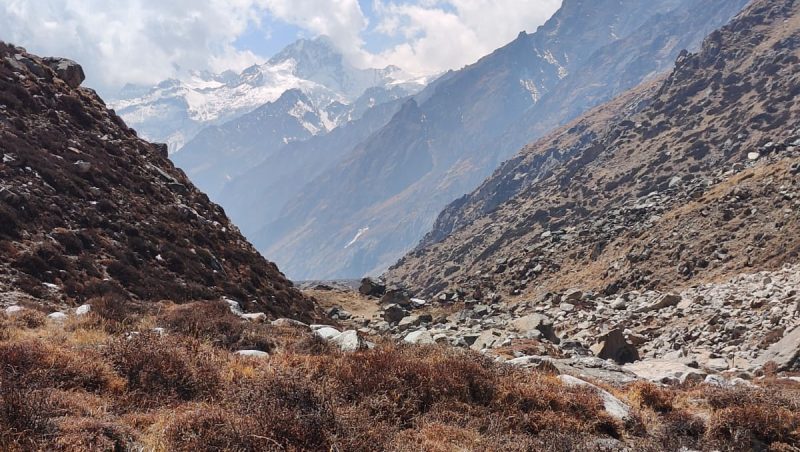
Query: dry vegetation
91, 383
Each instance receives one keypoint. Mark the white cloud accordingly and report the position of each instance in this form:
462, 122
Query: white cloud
146, 41
447, 34
341, 20
133, 41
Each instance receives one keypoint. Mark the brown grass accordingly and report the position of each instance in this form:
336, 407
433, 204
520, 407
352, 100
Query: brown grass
83, 386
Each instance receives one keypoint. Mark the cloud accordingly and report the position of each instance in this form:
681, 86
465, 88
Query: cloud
341, 20
446, 34
146, 41
134, 41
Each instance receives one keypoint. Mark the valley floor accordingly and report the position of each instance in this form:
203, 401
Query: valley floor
204, 376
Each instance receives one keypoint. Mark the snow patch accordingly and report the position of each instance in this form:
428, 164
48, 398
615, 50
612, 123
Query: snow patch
360, 233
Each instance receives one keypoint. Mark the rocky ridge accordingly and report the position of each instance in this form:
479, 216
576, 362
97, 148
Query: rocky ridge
450, 138
89, 210
684, 180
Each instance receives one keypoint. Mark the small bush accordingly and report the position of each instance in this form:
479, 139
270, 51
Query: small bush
83, 434
212, 321
754, 424
161, 370
205, 427
648, 395
38, 364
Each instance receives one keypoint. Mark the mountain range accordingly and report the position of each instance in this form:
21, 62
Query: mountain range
176, 110
378, 200
684, 180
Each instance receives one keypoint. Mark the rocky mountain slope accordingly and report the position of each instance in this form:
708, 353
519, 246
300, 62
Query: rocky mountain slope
687, 180
258, 195
361, 215
87, 209
176, 110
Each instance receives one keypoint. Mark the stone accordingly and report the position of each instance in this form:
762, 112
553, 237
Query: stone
372, 288
488, 339
716, 380
327, 332
753, 156
349, 341
256, 317
408, 322
536, 322
234, 306
393, 313
253, 353
566, 307
665, 371
665, 301
67, 70
14, 309
398, 297
57, 316
572, 296
420, 337
613, 406
288, 322
83, 310
785, 353
418, 302
614, 346
82, 167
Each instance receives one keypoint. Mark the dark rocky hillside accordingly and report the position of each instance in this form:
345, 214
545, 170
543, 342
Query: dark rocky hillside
88, 209
693, 178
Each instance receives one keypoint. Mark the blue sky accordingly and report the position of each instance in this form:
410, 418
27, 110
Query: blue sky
146, 41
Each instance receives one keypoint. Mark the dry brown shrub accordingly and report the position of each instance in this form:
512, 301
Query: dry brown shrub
214, 322
397, 384
25, 418
40, 364
680, 429
647, 395
751, 425
27, 319
204, 320
287, 409
210, 427
77, 434
119, 312
160, 370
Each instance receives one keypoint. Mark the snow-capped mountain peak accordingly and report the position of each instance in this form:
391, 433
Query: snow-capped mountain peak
175, 110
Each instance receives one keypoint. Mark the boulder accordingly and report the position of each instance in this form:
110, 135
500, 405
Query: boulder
397, 296
349, 341
665, 371
256, 317
489, 339
372, 287
327, 332
536, 322
288, 322
394, 313
14, 309
613, 345
67, 70
83, 310
57, 316
421, 337
253, 353
408, 322
613, 406
785, 353
665, 301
